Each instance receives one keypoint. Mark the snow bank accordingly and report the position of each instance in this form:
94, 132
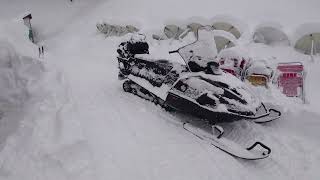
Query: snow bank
17, 73
39, 137
16, 34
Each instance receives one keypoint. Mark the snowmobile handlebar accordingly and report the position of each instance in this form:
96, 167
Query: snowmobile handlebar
175, 51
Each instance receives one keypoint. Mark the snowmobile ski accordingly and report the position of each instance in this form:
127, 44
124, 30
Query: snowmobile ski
216, 139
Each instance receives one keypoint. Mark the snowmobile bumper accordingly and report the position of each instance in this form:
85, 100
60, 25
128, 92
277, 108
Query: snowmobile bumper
182, 104
266, 115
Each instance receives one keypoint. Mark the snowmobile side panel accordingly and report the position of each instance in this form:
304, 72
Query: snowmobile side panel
185, 105
181, 104
230, 147
161, 91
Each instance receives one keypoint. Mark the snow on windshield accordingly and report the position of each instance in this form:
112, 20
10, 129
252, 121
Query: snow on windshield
202, 51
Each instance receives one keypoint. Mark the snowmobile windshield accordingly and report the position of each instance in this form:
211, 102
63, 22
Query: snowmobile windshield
199, 53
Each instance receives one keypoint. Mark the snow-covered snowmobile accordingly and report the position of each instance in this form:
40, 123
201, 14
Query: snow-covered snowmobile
199, 88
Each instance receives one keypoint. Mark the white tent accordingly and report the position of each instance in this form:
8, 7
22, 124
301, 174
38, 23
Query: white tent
271, 34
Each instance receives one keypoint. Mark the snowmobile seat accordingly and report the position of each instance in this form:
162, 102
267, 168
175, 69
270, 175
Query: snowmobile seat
138, 47
151, 57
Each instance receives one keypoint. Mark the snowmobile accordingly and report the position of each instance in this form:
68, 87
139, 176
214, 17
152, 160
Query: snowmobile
198, 87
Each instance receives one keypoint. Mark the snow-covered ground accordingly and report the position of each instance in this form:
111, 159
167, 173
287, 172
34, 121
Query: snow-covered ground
67, 117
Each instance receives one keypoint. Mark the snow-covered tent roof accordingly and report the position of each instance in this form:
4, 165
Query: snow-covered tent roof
172, 31
270, 34
224, 39
229, 24
227, 27
307, 38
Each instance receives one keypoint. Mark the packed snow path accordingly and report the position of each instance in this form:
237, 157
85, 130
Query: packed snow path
85, 127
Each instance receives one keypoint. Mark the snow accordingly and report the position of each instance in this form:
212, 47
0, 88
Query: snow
259, 67
77, 123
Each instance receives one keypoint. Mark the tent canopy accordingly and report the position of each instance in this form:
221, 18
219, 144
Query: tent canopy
309, 44
224, 39
271, 36
225, 26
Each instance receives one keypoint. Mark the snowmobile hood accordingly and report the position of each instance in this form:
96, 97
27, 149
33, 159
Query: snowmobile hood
239, 94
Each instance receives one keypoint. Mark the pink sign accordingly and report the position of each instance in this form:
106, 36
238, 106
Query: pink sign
291, 79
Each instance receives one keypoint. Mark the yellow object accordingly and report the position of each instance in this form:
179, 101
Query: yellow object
258, 80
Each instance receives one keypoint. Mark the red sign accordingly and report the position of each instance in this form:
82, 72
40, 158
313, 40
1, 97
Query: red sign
291, 79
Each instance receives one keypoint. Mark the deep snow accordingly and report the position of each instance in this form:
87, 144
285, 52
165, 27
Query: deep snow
76, 122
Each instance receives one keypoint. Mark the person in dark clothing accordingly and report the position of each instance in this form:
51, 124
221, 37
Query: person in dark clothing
42, 50
39, 51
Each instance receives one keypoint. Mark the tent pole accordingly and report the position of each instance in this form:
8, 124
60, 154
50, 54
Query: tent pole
312, 50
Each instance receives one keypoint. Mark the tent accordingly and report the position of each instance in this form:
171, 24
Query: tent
225, 26
270, 35
306, 38
309, 44
224, 39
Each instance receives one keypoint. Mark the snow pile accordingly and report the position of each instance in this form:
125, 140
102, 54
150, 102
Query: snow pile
35, 140
16, 34
17, 74
259, 67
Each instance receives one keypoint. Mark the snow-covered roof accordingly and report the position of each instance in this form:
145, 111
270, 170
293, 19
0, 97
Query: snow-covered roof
226, 35
25, 15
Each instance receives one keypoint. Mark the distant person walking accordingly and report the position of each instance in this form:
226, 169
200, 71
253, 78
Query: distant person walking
41, 51
39, 48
